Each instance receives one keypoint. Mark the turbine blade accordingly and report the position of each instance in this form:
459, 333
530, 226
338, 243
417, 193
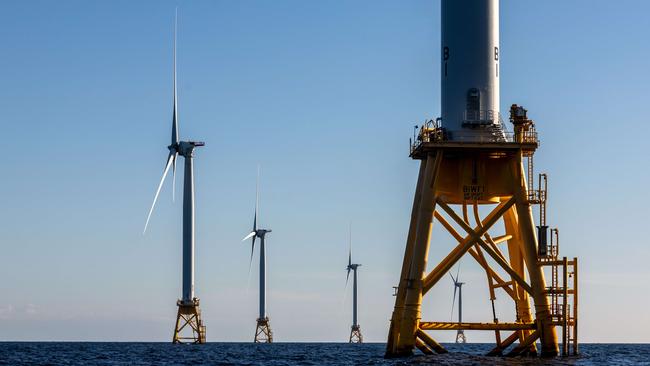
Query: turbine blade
250, 263
453, 302
347, 278
175, 111
257, 199
345, 290
455, 279
350, 251
174, 178
162, 180
248, 236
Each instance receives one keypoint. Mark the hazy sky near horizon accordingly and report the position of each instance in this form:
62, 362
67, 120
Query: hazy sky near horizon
323, 95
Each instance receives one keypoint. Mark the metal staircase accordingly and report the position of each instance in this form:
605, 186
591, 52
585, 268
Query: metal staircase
562, 290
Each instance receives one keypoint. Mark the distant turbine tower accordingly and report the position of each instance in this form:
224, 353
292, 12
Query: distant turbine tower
263, 333
460, 336
355, 333
189, 313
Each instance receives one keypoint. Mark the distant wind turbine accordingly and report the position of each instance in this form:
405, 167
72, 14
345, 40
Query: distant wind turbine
460, 335
355, 333
263, 333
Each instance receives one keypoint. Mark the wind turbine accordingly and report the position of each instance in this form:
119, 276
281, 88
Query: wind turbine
355, 333
460, 336
263, 333
189, 314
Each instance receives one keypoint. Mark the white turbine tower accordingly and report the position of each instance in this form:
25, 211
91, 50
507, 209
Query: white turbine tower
355, 333
263, 333
189, 314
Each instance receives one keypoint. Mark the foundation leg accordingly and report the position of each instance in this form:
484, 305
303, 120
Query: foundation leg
547, 334
413, 299
398, 312
522, 303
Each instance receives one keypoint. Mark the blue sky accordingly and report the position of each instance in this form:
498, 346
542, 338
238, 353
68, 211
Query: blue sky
323, 95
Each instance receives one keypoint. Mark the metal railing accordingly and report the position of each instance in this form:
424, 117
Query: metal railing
432, 131
529, 136
484, 117
494, 134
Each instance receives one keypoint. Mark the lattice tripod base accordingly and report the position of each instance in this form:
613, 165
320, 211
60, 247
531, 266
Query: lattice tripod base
263, 332
189, 325
460, 337
355, 334
466, 176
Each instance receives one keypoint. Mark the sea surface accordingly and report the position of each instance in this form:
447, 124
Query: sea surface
290, 354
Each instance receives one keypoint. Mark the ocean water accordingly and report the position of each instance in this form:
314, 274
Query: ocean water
290, 354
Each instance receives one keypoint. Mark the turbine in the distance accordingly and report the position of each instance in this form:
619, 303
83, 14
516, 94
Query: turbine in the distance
263, 333
355, 333
460, 335
189, 314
